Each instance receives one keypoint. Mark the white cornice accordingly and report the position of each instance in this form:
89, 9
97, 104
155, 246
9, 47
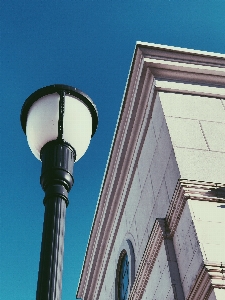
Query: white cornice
150, 63
180, 54
178, 49
189, 88
183, 65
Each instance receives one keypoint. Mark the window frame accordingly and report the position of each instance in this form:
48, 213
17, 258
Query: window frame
125, 249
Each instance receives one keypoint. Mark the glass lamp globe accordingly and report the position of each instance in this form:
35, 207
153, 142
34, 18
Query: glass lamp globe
59, 112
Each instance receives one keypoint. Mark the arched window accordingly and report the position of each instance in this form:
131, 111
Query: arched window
124, 271
123, 277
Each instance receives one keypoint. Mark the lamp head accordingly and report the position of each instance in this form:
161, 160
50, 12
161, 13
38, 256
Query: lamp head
59, 112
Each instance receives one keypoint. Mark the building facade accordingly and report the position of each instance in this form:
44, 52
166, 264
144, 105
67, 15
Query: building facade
158, 231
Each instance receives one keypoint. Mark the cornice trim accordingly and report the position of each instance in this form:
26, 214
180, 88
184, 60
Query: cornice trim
186, 72
202, 287
129, 148
119, 175
190, 88
183, 54
193, 190
210, 276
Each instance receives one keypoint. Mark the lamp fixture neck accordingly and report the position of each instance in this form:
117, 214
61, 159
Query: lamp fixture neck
57, 169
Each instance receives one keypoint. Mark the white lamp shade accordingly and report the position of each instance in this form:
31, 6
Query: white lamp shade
42, 123
77, 125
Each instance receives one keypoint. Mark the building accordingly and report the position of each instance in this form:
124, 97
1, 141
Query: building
159, 227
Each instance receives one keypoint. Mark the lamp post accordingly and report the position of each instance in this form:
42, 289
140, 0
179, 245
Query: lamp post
59, 122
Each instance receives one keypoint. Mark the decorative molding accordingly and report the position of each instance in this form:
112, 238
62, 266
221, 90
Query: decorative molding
128, 155
202, 287
160, 233
183, 65
211, 276
189, 88
129, 138
194, 190
217, 274
176, 208
189, 72
148, 260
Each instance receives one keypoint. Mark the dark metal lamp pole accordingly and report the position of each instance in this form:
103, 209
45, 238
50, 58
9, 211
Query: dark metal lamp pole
59, 122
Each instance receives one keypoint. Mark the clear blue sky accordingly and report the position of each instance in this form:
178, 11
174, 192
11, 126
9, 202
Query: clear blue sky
89, 45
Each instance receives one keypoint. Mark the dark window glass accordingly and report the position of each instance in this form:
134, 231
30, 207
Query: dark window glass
123, 278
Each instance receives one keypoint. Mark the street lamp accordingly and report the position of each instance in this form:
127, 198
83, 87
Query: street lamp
59, 122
